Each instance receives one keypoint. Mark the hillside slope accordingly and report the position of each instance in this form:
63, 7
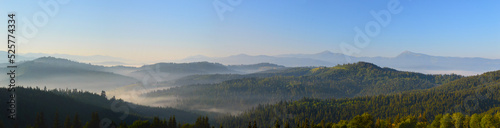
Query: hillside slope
30, 101
467, 95
350, 80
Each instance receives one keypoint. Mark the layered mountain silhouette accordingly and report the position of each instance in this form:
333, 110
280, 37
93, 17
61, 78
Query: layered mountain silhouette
54, 72
407, 60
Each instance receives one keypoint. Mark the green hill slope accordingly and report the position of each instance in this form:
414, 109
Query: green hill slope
467, 95
350, 80
70, 102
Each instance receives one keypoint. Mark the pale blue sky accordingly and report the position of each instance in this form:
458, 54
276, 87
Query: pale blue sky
176, 29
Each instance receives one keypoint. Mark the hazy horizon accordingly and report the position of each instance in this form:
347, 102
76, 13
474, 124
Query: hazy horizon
171, 30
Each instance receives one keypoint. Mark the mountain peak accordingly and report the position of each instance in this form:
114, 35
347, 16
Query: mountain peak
241, 55
325, 52
50, 59
410, 54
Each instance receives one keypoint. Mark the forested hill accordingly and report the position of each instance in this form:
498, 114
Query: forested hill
467, 95
349, 80
30, 101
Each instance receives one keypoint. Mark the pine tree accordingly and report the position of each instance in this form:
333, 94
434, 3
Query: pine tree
287, 125
305, 124
94, 121
123, 125
1, 124
277, 124
174, 122
103, 93
77, 123
156, 123
67, 122
40, 121
56, 121
389, 122
377, 123
322, 123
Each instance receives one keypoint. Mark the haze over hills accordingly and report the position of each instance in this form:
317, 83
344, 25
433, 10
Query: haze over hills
94, 59
68, 102
54, 72
349, 80
62, 73
407, 61
468, 95
216, 88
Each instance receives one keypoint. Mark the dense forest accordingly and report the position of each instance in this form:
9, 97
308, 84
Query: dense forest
349, 80
70, 102
345, 96
468, 95
489, 119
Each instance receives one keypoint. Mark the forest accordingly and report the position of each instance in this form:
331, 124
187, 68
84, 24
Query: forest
342, 81
345, 96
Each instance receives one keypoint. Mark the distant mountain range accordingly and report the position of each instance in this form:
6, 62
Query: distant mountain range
237, 93
63, 73
407, 61
95, 59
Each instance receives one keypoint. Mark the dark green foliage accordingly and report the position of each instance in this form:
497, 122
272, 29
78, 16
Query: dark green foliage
67, 122
140, 124
429, 102
66, 102
350, 80
77, 123
1, 124
40, 121
202, 122
56, 124
186, 68
94, 121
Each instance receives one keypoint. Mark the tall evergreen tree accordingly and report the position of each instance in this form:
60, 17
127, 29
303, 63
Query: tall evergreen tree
123, 125
56, 121
94, 121
389, 122
277, 124
67, 122
156, 123
322, 123
377, 123
77, 123
1, 124
40, 121
305, 124
254, 124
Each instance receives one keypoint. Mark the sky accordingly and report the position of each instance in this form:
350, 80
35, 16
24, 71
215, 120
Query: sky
175, 29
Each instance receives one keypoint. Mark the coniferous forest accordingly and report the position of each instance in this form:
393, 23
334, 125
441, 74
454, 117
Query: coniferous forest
359, 95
